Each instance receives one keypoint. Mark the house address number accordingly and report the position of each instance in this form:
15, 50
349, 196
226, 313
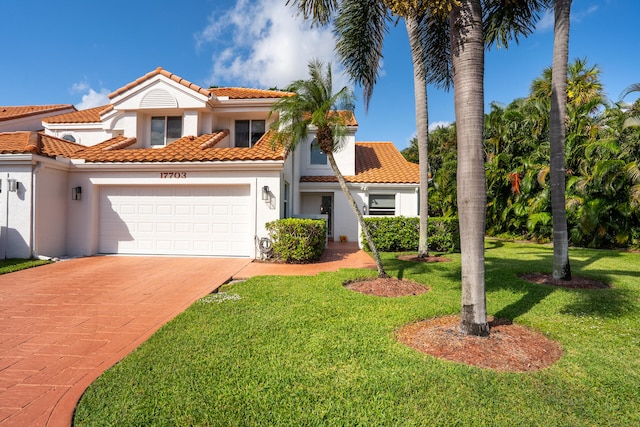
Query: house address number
175, 175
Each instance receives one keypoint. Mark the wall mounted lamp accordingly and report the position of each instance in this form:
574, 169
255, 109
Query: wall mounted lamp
265, 192
12, 185
76, 193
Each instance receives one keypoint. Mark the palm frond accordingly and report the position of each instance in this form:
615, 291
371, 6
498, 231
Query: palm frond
360, 28
509, 19
629, 89
319, 11
631, 122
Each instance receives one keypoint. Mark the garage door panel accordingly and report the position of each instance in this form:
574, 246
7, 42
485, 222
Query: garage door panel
207, 220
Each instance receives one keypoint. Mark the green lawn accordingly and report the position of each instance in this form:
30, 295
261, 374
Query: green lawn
305, 351
11, 265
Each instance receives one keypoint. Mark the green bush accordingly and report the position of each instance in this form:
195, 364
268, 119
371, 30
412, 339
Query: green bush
297, 240
400, 234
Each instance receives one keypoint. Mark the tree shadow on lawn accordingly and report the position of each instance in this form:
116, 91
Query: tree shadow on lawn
504, 274
605, 301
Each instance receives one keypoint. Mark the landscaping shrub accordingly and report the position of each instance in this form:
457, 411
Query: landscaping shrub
297, 240
400, 234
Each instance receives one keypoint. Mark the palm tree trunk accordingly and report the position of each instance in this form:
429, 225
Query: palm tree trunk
467, 56
557, 131
358, 214
422, 128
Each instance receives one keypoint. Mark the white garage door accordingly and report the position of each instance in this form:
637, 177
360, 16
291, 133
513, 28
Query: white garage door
175, 220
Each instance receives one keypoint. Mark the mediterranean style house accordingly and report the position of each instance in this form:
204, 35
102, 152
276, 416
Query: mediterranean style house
171, 168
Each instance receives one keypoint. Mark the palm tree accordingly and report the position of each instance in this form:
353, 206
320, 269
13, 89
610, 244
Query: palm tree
315, 105
467, 60
557, 132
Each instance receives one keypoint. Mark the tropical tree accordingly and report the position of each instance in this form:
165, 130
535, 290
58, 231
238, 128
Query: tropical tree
315, 105
467, 60
557, 132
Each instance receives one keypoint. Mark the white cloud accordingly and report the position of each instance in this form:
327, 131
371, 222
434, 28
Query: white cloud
546, 21
90, 97
265, 44
435, 125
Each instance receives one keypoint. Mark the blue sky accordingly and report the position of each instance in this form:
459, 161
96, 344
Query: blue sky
77, 52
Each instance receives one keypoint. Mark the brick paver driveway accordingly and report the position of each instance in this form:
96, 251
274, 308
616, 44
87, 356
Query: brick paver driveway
62, 325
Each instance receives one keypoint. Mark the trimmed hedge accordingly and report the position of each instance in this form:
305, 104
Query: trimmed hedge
297, 240
401, 234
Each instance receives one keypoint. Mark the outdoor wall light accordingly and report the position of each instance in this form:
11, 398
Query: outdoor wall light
265, 192
76, 193
12, 185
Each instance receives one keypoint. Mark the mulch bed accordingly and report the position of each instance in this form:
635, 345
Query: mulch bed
390, 287
508, 348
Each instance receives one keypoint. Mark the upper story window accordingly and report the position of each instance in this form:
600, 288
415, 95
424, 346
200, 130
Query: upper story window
248, 132
69, 138
318, 157
165, 129
382, 204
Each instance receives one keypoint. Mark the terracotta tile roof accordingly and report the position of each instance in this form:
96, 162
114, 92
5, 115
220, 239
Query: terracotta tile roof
165, 73
246, 93
186, 149
37, 143
377, 163
9, 113
92, 115
349, 117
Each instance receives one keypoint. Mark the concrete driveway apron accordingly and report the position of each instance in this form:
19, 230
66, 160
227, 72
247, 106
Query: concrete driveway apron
63, 324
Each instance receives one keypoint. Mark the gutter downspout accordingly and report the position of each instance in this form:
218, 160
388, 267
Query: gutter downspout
34, 172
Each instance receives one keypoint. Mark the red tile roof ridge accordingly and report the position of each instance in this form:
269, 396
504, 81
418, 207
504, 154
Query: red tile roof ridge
230, 92
19, 111
34, 143
215, 138
185, 149
121, 144
165, 73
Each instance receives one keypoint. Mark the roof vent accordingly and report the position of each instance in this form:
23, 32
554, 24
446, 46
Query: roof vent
158, 98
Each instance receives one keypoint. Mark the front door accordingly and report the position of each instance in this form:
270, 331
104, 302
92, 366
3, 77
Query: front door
326, 208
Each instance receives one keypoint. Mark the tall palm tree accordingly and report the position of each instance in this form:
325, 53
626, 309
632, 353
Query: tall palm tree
467, 60
557, 132
314, 104
422, 129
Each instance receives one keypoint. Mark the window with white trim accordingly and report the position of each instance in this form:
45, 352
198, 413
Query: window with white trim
318, 157
165, 130
248, 132
382, 204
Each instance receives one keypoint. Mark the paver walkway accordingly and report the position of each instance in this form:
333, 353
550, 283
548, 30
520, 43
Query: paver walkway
63, 324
